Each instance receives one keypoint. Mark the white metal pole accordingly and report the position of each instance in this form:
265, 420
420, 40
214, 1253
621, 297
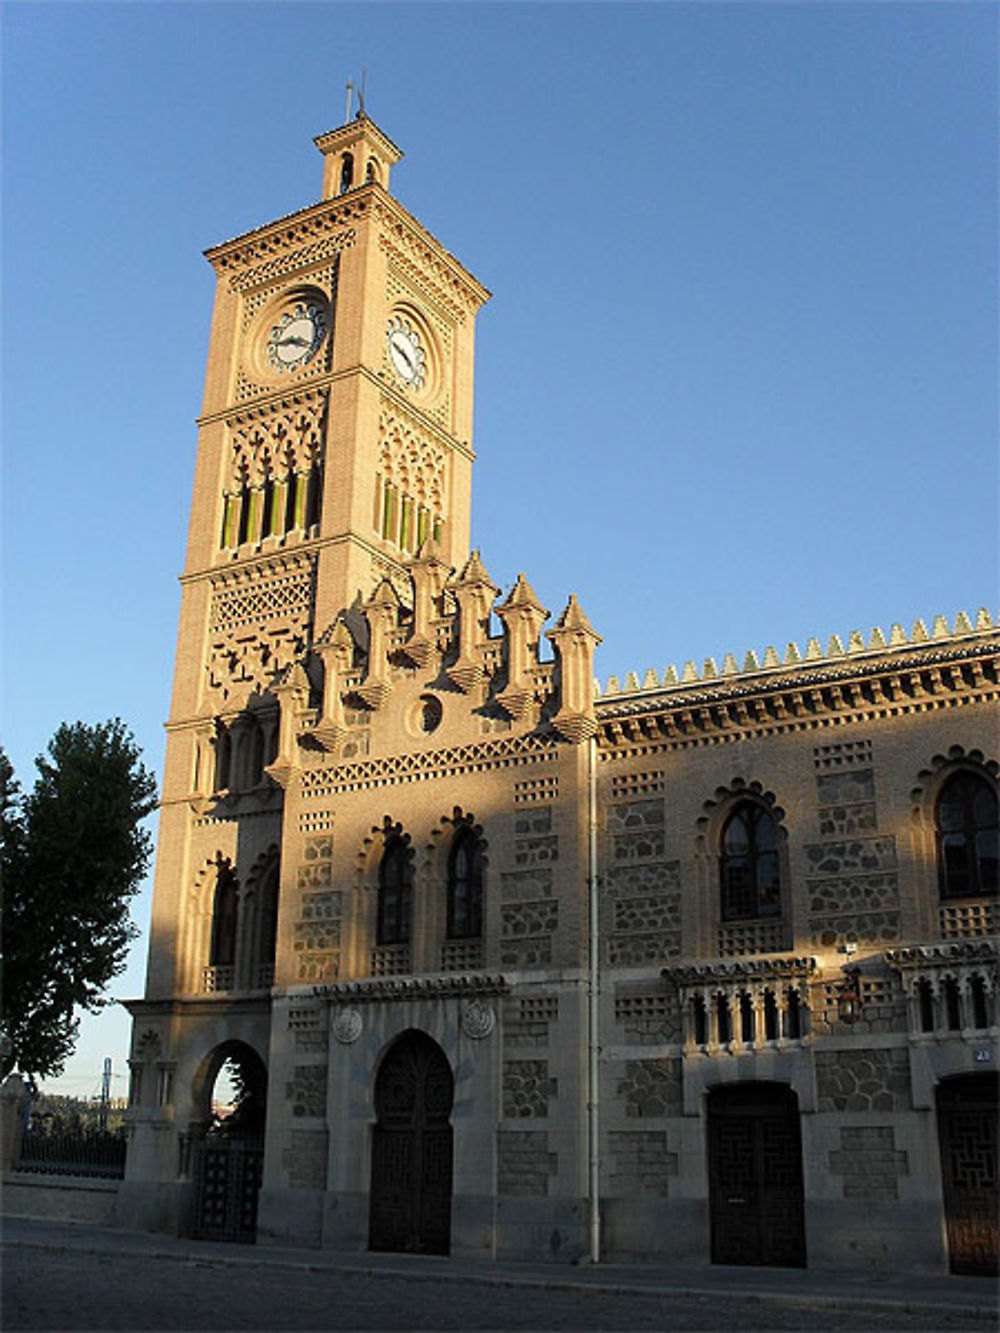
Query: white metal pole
594, 1010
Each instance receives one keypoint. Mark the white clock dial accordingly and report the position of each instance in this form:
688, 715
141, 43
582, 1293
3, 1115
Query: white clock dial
405, 352
297, 336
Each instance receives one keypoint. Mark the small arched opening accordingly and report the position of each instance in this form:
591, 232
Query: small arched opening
227, 1145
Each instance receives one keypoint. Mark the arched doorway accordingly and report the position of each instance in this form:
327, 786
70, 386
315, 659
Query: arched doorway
755, 1175
967, 1132
412, 1149
228, 1149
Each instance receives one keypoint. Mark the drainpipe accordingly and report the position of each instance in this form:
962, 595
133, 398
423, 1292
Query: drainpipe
593, 1011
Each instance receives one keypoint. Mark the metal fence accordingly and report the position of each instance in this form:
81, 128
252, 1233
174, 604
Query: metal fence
95, 1153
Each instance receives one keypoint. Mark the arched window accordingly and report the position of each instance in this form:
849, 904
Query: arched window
224, 910
394, 884
267, 923
968, 844
748, 865
465, 887
346, 172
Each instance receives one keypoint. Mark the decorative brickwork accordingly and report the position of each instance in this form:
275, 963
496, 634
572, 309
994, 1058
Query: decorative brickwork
641, 1165
317, 932
518, 885
648, 1019
527, 1020
536, 789
306, 1093
525, 1164
527, 1089
507, 752
853, 887
869, 1162
858, 857
305, 1159
624, 785
651, 1088
863, 1080
842, 754
316, 870
260, 623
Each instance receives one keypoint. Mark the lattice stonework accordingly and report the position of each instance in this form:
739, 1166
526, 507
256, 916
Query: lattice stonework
260, 621
269, 443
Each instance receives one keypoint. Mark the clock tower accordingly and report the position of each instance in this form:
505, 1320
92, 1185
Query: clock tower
334, 445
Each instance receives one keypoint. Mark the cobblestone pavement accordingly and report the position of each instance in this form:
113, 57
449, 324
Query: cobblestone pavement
71, 1289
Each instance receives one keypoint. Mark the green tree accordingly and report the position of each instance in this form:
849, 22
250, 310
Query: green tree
74, 852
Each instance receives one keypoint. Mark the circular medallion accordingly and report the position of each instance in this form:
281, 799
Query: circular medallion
478, 1019
347, 1026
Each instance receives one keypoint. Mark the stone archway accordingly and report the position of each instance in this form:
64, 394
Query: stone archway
967, 1133
227, 1164
755, 1176
410, 1206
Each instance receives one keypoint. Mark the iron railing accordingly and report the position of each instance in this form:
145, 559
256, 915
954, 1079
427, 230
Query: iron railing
97, 1153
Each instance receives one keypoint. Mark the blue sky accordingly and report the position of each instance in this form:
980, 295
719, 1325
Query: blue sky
736, 385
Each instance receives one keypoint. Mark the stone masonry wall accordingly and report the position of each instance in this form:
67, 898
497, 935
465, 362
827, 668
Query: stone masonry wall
529, 914
641, 1166
642, 889
863, 1080
525, 1164
869, 1162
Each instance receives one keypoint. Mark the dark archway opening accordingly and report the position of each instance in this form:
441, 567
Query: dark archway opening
755, 1176
228, 1144
410, 1208
967, 1110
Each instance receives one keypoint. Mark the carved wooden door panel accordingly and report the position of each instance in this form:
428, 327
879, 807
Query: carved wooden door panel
755, 1176
412, 1149
967, 1132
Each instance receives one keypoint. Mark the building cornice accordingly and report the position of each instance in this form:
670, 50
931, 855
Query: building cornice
912, 679
307, 224
380, 989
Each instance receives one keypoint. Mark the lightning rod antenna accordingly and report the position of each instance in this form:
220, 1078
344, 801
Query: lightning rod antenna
350, 99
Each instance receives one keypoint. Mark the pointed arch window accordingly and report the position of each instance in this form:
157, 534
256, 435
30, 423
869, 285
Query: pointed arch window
749, 873
465, 887
967, 837
225, 907
394, 894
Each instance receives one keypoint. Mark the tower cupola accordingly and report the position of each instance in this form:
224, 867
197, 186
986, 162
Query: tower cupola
357, 153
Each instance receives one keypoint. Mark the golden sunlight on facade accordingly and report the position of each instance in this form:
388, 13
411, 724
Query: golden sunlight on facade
697, 968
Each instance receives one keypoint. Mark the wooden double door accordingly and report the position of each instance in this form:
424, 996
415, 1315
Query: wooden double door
755, 1176
411, 1180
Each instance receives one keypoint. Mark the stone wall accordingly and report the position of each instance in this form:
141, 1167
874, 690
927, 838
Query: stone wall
525, 1163
868, 1162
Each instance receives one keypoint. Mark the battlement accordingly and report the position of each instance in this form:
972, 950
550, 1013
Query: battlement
770, 661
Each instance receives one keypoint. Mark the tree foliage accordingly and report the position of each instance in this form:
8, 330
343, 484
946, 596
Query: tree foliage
74, 852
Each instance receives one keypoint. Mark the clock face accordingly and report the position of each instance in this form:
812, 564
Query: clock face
297, 336
405, 352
